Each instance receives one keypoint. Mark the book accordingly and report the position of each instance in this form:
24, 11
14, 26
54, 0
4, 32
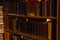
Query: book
32, 8
43, 29
53, 30
54, 8
48, 8
49, 30
42, 8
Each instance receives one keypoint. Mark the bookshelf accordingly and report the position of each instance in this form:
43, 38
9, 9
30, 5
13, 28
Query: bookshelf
30, 19
1, 23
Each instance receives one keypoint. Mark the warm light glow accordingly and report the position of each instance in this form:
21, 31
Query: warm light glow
21, 36
48, 20
39, 0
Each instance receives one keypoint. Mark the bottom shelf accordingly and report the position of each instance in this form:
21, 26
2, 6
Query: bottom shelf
25, 36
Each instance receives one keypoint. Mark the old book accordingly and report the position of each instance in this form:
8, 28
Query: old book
42, 4
48, 8
54, 8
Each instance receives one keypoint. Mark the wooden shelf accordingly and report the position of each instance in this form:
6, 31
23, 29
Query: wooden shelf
39, 17
28, 35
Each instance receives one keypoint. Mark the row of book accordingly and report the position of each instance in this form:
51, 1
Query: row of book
29, 27
16, 37
41, 8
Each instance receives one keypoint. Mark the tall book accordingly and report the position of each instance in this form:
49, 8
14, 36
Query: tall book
54, 30
42, 4
54, 5
48, 8
49, 30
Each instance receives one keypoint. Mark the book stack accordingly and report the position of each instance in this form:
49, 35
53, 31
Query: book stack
1, 36
1, 23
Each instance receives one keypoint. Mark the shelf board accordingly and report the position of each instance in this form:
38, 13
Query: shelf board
41, 17
28, 35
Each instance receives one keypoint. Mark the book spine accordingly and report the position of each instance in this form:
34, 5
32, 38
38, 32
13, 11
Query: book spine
49, 30
48, 8
54, 8
17, 7
42, 8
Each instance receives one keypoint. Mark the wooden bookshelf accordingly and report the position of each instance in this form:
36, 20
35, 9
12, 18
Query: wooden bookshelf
31, 22
27, 35
42, 17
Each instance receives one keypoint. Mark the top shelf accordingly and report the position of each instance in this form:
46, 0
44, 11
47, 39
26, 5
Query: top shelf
39, 17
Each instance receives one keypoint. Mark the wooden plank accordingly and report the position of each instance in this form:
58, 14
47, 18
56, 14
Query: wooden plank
42, 17
27, 35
